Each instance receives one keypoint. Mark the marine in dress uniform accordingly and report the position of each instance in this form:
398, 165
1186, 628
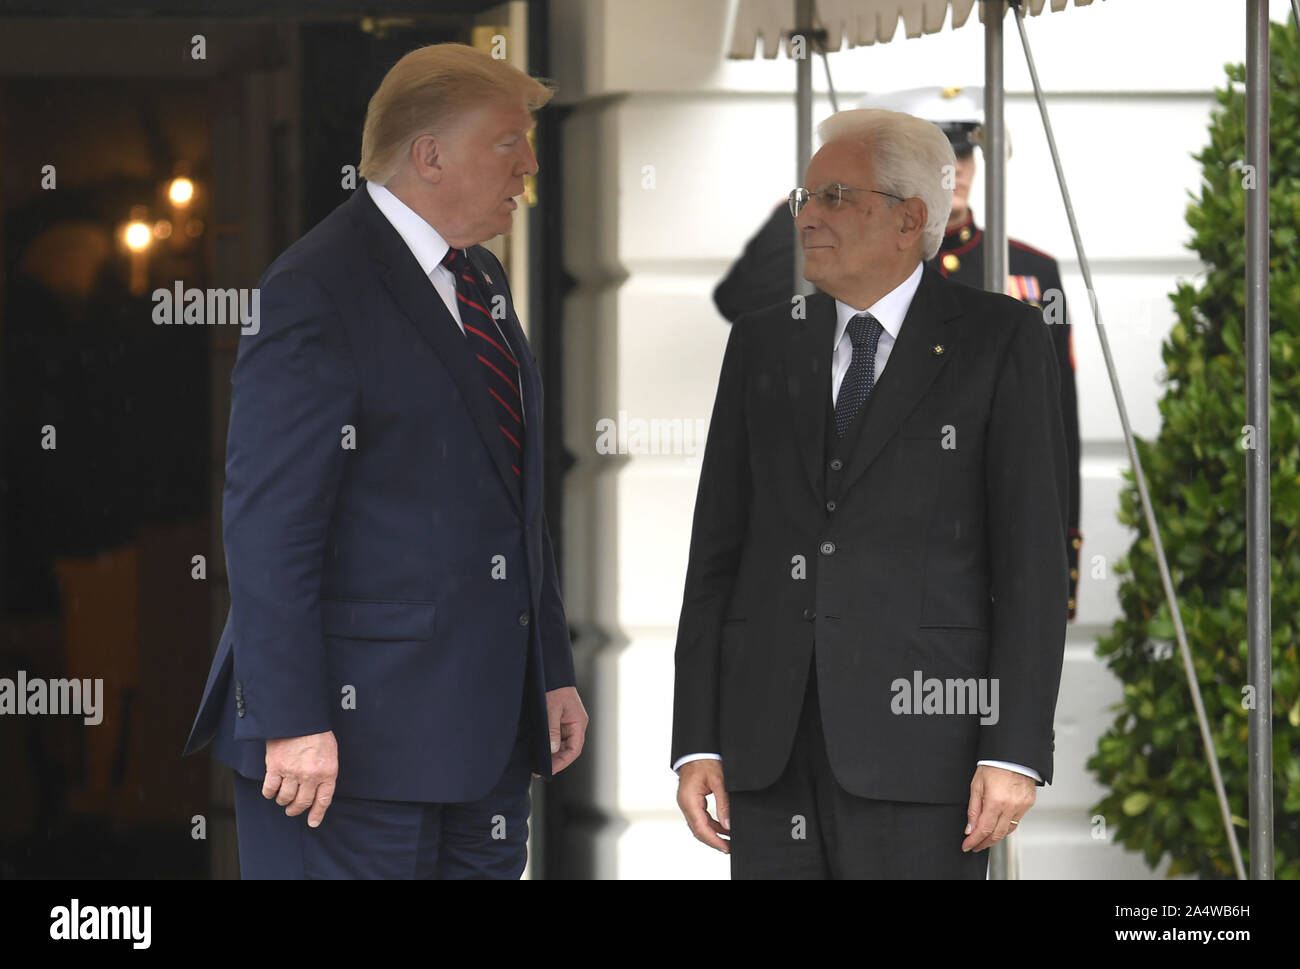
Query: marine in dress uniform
762, 274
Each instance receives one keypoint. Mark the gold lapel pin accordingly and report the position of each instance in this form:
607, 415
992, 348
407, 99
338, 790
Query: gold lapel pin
937, 349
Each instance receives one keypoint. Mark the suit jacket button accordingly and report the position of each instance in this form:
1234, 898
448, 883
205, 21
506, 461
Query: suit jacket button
828, 548
836, 464
809, 615
523, 619
830, 506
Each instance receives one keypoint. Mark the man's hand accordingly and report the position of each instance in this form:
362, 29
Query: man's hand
567, 719
303, 771
997, 797
697, 779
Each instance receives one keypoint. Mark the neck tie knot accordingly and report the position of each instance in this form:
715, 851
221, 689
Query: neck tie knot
864, 330
454, 260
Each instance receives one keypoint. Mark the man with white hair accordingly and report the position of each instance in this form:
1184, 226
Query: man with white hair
761, 276
872, 629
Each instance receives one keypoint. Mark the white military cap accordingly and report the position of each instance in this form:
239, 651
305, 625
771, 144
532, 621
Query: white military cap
959, 111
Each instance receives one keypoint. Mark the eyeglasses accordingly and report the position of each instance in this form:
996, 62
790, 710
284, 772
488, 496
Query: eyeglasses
831, 196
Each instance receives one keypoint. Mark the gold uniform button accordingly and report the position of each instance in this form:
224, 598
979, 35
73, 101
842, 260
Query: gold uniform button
1071, 604
1074, 573
951, 263
937, 349
1075, 543
964, 235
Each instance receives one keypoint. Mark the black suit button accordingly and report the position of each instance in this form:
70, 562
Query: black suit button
809, 615
828, 548
523, 619
830, 506
836, 464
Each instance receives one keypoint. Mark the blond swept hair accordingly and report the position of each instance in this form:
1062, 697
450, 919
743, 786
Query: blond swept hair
427, 91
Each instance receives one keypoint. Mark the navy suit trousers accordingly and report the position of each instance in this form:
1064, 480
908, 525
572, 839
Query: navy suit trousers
364, 838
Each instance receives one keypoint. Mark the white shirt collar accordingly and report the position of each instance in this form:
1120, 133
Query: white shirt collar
890, 309
424, 241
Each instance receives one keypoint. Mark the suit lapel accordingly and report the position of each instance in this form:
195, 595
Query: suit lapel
909, 371
808, 382
424, 309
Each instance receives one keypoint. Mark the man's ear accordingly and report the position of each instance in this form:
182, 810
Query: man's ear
426, 158
913, 223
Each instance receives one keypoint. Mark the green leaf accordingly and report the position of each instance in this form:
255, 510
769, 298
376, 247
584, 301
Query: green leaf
1136, 803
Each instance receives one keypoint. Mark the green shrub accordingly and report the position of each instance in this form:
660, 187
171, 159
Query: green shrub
1161, 799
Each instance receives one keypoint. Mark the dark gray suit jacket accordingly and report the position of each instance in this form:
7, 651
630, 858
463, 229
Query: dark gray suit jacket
942, 556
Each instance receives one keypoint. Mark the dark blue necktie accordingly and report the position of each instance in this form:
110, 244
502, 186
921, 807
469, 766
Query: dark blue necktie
864, 331
500, 369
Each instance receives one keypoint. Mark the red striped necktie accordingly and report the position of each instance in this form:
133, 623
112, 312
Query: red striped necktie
500, 369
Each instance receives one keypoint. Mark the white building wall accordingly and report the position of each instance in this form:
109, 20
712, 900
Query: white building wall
673, 157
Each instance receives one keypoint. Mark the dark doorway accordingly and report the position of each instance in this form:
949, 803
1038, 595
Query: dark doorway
113, 425
106, 463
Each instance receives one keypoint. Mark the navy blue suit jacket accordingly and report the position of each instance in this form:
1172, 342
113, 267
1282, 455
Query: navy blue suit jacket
395, 591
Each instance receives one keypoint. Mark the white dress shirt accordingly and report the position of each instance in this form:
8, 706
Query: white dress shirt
425, 242
890, 310
429, 248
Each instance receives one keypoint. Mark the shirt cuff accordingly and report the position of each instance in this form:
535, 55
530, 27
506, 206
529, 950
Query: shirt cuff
690, 757
1007, 765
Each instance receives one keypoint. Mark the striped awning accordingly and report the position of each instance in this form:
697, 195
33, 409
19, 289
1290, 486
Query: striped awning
860, 23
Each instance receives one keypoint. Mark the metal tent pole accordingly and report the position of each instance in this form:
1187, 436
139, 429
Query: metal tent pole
995, 151
1140, 478
830, 81
1004, 857
1258, 527
803, 25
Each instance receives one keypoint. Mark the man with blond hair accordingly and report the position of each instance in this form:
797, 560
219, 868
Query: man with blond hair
872, 630
396, 664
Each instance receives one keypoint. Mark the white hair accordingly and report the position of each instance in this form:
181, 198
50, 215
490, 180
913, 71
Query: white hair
912, 158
